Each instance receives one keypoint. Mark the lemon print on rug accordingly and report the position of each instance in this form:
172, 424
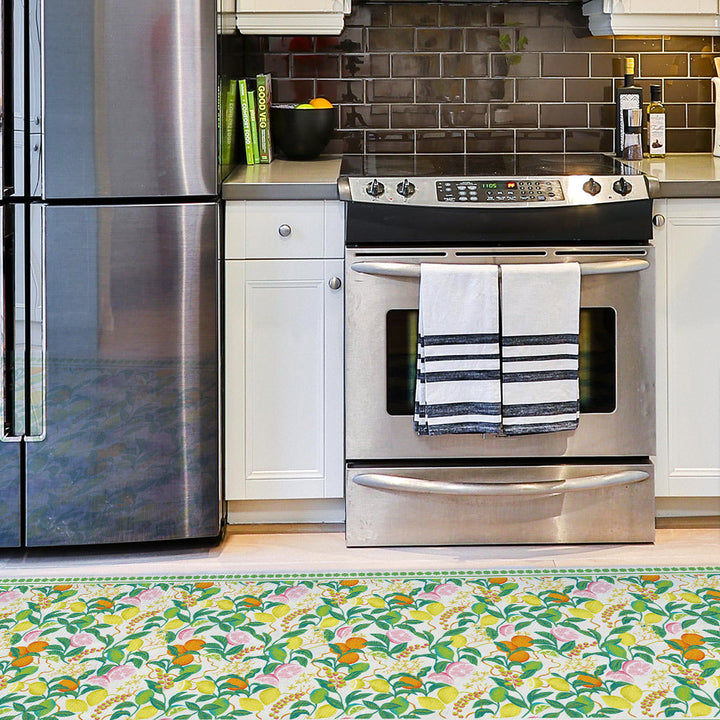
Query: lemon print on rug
584, 643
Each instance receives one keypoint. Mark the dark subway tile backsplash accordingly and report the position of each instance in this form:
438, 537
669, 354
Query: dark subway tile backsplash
441, 77
414, 116
440, 141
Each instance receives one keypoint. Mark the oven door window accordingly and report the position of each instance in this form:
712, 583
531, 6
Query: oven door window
597, 362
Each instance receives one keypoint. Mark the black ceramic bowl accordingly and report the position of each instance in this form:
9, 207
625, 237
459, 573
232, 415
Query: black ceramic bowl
301, 134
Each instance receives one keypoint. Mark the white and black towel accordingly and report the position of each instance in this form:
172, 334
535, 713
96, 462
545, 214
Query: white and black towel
458, 369
540, 317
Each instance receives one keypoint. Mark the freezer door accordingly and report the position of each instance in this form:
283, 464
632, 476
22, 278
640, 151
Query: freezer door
127, 445
10, 433
130, 98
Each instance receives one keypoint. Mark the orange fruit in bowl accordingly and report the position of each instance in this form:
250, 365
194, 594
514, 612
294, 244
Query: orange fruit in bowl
320, 102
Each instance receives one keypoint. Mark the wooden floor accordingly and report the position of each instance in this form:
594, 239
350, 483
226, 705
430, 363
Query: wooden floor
322, 548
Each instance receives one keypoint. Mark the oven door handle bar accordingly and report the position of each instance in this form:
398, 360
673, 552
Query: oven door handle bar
379, 481
412, 270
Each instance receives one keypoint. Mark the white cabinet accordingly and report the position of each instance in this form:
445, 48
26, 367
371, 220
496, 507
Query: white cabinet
284, 402
653, 17
226, 16
298, 17
688, 359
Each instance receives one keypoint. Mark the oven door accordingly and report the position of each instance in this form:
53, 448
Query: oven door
617, 365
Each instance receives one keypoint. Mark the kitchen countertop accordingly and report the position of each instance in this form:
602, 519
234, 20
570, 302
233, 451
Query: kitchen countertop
285, 180
683, 175
679, 175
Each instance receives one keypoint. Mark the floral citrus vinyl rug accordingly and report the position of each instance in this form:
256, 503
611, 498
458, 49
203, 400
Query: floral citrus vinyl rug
626, 643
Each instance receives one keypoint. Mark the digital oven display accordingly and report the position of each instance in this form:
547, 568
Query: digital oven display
468, 191
507, 185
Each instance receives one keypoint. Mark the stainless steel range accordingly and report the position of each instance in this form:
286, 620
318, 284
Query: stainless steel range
590, 484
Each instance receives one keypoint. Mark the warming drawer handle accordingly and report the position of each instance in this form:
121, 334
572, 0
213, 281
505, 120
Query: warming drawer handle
412, 270
439, 487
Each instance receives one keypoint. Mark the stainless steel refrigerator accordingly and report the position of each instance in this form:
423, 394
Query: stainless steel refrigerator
109, 272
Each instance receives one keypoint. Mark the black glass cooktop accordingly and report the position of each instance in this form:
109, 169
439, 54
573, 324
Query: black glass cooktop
482, 165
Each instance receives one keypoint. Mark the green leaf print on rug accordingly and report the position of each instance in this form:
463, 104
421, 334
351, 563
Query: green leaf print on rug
585, 643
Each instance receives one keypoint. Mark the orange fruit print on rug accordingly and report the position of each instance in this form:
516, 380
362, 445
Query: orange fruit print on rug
585, 643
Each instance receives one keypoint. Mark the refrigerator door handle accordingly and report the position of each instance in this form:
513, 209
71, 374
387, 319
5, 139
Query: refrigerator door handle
6, 404
9, 395
7, 111
36, 326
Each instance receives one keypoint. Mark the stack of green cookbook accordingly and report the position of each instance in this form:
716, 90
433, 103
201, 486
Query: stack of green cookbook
246, 102
255, 113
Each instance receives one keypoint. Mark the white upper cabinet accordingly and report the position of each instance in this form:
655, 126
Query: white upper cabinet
226, 16
299, 17
653, 17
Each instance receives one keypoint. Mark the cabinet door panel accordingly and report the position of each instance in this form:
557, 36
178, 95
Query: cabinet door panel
693, 360
284, 378
284, 406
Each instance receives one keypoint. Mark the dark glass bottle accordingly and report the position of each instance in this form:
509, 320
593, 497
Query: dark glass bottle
628, 97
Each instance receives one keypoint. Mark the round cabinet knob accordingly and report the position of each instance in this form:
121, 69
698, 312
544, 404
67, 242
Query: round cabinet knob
284, 230
375, 188
406, 188
658, 220
592, 186
622, 187
335, 283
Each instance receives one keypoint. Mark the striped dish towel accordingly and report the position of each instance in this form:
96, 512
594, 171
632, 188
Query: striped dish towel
540, 318
458, 368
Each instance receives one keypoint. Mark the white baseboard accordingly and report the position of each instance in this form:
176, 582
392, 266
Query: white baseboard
327, 510
687, 506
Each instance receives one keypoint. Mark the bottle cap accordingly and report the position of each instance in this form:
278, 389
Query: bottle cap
655, 91
630, 66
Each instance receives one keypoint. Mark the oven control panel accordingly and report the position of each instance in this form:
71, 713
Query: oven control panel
499, 191
489, 192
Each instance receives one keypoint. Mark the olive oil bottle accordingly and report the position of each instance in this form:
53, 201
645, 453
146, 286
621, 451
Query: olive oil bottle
656, 124
628, 97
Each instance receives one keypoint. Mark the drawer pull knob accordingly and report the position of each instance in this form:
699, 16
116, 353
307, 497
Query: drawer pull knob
284, 230
335, 283
658, 220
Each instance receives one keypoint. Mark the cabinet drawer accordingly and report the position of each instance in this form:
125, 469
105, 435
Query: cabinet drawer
284, 230
293, 230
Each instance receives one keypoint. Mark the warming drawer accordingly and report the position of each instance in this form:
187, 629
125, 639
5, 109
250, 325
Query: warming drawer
499, 504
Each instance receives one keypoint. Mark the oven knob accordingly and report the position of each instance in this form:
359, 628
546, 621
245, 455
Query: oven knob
406, 188
592, 187
622, 187
375, 188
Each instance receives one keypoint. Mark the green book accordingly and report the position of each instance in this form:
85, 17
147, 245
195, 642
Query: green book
228, 121
253, 126
264, 100
245, 113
